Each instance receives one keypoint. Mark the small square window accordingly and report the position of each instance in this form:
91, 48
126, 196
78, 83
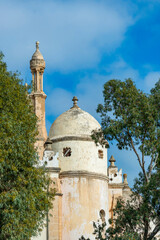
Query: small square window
67, 152
100, 153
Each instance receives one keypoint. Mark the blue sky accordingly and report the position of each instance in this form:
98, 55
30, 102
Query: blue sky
84, 43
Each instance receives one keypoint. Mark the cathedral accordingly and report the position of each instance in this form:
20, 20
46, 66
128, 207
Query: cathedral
86, 187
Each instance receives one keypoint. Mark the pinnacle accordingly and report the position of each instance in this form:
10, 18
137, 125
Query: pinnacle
75, 99
112, 159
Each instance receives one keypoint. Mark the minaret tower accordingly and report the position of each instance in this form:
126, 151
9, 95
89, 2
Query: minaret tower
37, 66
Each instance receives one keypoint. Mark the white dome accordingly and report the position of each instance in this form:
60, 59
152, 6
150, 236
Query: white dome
74, 122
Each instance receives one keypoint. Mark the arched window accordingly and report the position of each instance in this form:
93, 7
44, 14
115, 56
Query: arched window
102, 215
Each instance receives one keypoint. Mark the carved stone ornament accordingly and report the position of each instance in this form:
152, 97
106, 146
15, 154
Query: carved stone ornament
50, 159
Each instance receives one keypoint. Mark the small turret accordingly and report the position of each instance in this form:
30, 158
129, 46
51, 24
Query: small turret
37, 66
112, 161
114, 175
126, 189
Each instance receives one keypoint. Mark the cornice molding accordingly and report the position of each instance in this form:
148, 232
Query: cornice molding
86, 174
37, 94
73, 138
118, 185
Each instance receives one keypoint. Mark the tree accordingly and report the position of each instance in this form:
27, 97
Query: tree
132, 118
24, 199
140, 215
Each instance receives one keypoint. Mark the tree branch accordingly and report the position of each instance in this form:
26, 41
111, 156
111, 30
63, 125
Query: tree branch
154, 232
138, 157
139, 160
143, 162
151, 165
146, 227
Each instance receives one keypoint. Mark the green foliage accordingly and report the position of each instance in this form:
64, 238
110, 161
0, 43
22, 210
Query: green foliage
99, 231
24, 198
133, 218
83, 238
136, 215
132, 118
103, 234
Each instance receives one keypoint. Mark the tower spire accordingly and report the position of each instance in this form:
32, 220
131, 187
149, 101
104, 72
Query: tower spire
37, 66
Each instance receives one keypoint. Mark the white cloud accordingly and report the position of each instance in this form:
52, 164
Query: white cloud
150, 80
72, 34
89, 90
121, 70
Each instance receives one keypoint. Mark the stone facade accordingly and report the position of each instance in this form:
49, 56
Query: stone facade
117, 187
85, 188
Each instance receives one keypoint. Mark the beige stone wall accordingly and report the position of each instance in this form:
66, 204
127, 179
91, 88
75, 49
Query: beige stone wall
83, 198
126, 192
54, 217
114, 191
84, 185
39, 105
55, 214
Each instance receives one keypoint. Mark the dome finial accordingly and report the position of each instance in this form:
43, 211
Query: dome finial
75, 99
112, 161
37, 45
